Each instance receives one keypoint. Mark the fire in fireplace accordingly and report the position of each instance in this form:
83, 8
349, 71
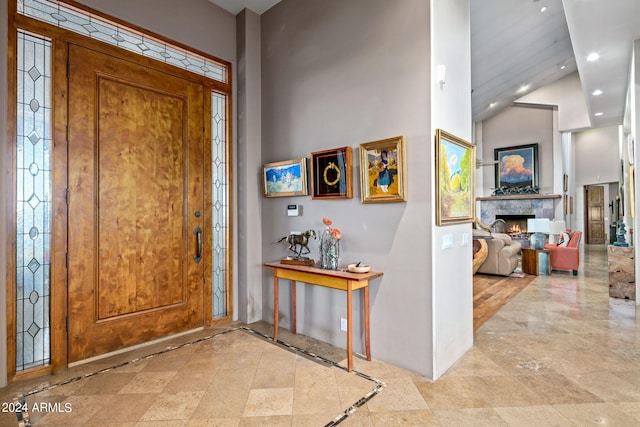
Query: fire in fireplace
515, 225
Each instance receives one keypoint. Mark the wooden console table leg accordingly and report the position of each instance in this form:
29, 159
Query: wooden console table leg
349, 331
367, 336
275, 307
293, 306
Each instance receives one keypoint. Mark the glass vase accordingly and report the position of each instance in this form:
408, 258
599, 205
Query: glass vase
329, 251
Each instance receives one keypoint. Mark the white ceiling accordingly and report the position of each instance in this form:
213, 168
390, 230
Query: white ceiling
236, 6
514, 44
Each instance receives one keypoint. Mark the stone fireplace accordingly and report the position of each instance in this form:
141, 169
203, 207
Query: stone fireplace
525, 206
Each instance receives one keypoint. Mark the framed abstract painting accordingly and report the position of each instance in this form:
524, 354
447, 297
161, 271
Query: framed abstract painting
455, 179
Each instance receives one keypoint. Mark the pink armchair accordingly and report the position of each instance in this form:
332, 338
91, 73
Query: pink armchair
566, 257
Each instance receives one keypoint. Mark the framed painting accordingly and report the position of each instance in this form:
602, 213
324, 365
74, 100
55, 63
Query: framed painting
331, 174
455, 168
285, 178
383, 173
517, 167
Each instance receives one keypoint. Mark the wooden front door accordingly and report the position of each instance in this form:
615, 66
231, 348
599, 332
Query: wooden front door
595, 214
135, 204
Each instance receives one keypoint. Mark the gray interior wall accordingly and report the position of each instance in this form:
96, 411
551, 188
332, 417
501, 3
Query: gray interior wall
520, 125
249, 157
337, 74
4, 193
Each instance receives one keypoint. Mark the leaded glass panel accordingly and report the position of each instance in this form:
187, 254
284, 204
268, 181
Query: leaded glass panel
95, 27
220, 208
33, 201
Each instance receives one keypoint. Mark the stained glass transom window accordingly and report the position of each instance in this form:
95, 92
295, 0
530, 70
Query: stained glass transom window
220, 192
81, 22
33, 197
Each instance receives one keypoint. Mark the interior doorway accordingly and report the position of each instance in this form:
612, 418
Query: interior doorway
594, 214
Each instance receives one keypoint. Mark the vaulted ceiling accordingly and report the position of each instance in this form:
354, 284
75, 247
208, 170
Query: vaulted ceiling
517, 47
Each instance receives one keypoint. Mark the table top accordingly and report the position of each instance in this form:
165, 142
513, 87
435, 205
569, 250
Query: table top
340, 273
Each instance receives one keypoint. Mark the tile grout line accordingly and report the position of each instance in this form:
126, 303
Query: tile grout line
22, 412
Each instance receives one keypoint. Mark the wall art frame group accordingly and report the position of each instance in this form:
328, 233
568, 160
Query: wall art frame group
331, 172
517, 166
285, 178
455, 179
383, 171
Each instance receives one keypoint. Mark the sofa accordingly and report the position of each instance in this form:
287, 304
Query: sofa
502, 253
566, 257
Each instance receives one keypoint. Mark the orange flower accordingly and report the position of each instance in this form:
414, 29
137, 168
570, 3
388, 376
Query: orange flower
327, 221
336, 234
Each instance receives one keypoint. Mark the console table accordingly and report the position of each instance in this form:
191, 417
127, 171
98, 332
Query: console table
335, 279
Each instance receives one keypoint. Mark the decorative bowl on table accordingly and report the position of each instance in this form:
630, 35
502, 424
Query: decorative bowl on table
359, 268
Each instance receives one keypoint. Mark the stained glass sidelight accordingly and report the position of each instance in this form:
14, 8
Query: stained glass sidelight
220, 192
81, 22
33, 197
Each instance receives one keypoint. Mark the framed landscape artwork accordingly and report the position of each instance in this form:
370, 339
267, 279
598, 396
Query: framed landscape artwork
285, 178
455, 168
383, 174
517, 166
331, 174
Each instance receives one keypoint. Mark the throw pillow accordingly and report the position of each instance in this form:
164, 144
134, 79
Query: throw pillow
564, 240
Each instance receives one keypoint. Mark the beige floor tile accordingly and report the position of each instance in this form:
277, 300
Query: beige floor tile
316, 400
534, 416
400, 394
557, 389
596, 414
630, 408
404, 418
148, 382
450, 393
219, 422
124, 408
504, 391
179, 406
470, 417
608, 387
227, 404
269, 402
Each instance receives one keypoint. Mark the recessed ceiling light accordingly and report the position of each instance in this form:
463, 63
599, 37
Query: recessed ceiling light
523, 88
493, 104
562, 67
596, 92
544, 9
593, 57
598, 114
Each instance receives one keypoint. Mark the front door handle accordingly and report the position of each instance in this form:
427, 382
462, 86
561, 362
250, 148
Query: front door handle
198, 256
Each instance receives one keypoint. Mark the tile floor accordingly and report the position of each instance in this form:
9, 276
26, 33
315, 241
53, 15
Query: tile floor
560, 353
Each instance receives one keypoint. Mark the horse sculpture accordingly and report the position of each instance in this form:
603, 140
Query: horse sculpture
299, 242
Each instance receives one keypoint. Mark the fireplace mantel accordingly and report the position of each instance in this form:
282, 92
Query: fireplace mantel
520, 197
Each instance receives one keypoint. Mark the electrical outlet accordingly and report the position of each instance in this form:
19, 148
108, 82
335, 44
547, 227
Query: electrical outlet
343, 324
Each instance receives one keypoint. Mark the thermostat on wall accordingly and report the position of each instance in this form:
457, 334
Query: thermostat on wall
294, 210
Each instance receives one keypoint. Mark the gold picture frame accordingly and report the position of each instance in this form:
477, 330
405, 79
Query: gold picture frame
455, 201
383, 171
285, 178
331, 174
